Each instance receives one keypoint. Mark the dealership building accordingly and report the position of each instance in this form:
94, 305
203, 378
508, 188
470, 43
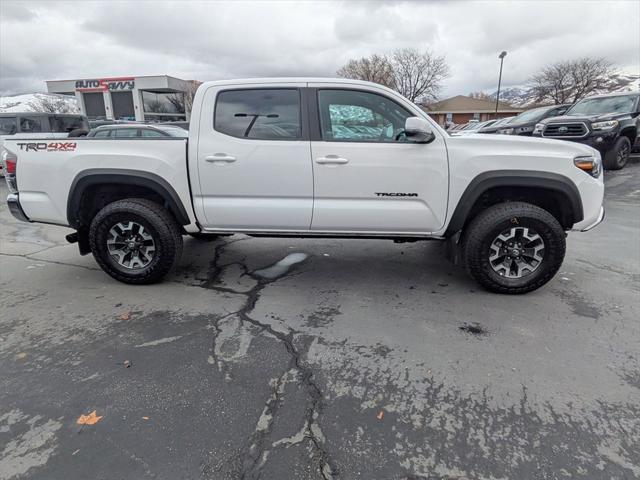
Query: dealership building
158, 98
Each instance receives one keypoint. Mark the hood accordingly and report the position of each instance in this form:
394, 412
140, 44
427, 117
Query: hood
600, 117
521, 145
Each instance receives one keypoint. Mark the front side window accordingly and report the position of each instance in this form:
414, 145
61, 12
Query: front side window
357, 116
8, 125
31, 124
264, 114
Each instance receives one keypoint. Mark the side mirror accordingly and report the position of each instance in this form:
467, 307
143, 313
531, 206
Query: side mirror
418, 130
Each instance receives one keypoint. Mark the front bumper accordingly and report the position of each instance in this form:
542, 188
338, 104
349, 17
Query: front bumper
601, 141
13, 202
597, 222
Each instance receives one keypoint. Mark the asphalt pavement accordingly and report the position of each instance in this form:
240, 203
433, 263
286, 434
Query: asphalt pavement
296, 359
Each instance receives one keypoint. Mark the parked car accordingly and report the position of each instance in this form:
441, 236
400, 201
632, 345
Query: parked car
260, 164
101, 122
184, 125
474, 127
138, 130
499, 123
608, 123
525, 122
39, 125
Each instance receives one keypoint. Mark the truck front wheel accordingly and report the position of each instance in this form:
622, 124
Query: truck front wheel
618, 156
135, 240
513, 247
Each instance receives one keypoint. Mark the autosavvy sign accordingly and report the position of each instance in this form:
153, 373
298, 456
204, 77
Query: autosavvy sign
106, 84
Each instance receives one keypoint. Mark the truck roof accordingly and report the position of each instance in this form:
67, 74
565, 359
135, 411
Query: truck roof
279, 80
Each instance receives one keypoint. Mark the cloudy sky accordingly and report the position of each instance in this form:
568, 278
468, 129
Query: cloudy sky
209, 40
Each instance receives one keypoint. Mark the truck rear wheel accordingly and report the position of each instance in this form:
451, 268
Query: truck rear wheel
513, 247
618, 156
135, 240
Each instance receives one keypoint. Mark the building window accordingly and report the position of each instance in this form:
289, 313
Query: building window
449, 117
476, 116
163, 106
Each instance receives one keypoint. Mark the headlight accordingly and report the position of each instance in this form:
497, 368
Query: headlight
506, 131
608, 125
525, 129
590, 164
539, 128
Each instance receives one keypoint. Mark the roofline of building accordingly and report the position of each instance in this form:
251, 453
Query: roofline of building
123, 76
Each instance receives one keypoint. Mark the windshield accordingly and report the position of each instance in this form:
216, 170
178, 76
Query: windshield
592, 106
531, 115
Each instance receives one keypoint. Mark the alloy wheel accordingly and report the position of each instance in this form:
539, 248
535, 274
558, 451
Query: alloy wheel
130, 245
516, 252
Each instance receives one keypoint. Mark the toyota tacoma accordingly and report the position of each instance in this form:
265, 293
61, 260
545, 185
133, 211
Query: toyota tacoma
312, 158
608, 123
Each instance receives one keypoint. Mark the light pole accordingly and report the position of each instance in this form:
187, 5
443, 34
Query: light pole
501, 57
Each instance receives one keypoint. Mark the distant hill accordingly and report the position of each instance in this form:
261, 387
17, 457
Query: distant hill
520, 96
23, 103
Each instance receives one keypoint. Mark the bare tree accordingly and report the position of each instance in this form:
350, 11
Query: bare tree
189, 94
52, 104
178, 101
375, 68
418, 75
571, 80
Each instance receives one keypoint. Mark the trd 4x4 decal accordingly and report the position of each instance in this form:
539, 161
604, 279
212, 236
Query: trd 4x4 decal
48, 147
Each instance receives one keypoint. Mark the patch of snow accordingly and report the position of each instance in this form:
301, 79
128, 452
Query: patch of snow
24, 103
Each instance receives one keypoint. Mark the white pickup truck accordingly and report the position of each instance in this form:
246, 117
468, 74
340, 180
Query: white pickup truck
312, 157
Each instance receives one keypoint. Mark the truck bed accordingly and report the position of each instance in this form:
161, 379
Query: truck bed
61, 161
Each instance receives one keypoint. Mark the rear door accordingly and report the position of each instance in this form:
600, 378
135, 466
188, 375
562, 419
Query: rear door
368, 178
253, 159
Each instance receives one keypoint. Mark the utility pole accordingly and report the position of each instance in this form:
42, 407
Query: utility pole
501, 57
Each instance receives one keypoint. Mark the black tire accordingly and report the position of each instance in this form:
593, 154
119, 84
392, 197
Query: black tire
618, 156
483, 229
157, 222
203, 237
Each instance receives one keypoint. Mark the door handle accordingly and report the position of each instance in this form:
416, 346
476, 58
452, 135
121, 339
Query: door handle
220, 157
332, 159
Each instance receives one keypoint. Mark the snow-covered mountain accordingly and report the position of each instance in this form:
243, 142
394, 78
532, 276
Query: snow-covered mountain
520, 96
28, 101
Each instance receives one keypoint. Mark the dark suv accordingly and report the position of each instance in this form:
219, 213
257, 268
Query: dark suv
608, 123
525, 122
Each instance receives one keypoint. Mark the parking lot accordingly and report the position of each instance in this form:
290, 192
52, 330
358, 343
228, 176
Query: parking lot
350, 359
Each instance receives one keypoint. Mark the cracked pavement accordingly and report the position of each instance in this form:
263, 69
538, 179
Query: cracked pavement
350, 359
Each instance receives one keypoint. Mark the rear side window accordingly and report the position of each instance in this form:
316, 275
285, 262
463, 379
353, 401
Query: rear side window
65, 124
265, 114
32, 124
102, 133
151, 133
8, 125
125, 132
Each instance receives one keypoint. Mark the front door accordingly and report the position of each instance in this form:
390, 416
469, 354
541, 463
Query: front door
368, 177
254, 161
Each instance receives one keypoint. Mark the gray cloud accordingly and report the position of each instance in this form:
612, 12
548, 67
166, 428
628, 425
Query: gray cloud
209, 40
